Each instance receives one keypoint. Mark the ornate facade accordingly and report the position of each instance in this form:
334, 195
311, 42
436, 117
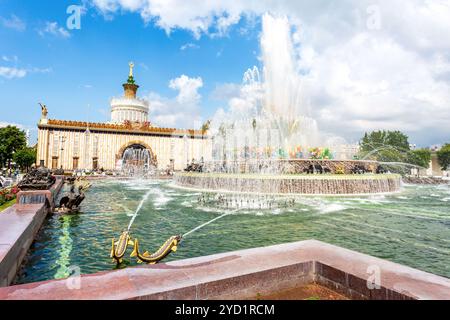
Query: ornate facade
75, 145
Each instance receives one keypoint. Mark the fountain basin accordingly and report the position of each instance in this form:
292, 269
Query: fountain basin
285, 184
247, 274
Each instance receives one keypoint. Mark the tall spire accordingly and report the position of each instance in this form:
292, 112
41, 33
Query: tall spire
130, 75
130, 87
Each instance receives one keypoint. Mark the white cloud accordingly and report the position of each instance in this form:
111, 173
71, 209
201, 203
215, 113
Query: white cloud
182, 111
372, 83
5, 124
187, 89
31, 129
189, 46
364, 65
10, 58
225, 91
17, 73
11, 72
13, 22
53, 29
197, 16
40, 70
244, 100
113, 5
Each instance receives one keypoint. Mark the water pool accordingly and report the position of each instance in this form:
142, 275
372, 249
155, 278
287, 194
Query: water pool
411, 227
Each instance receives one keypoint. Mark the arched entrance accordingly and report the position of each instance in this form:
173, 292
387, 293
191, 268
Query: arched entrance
136, 158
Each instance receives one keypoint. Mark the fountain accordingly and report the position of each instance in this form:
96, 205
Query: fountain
138, 161
244, 202
263, 159
70, 203
118, 248
269, 144
37, 179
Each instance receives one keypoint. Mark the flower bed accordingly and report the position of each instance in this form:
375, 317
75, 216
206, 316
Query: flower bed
8, 194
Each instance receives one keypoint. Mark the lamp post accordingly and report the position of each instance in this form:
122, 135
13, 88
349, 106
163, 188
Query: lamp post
10, 163
62, 140
186, 149
87, 134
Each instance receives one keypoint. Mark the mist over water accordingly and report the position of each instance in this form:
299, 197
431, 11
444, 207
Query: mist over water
270, 111
136, 162
282, 84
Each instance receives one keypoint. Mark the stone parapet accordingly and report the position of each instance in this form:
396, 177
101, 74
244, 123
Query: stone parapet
19, 225
18, 229
246, 274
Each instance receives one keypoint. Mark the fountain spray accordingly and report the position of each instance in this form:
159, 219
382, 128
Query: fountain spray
144, 198
209, 222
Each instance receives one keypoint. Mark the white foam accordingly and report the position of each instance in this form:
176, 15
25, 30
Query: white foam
332, 208
187, 204
277, 212
160, 199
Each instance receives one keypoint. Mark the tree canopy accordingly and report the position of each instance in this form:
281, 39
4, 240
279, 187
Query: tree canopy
388, 146
420, 157
382, 139
392, 146
443, 156
12, 139
25, 158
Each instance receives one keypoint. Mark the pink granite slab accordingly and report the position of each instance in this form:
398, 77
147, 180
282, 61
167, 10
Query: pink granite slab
18, 227
242, 274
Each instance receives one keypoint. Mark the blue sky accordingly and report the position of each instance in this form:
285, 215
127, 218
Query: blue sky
88, 66
368, 67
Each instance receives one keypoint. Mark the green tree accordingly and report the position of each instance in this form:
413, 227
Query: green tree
420, 157
12, 139
25, 158
443, 156
388, 146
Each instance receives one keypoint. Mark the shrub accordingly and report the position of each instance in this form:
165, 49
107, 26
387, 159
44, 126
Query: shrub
444, 156
10, 197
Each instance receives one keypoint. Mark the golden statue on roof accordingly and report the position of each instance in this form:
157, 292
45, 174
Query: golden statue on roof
44, 110
131, 64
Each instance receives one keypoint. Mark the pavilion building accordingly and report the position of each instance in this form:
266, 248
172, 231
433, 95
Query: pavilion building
75, 145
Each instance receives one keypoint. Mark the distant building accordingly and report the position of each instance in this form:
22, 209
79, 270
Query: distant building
76, 145
435, 148
435, 169
346, 151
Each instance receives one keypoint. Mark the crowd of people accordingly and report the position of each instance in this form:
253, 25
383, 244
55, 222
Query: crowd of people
195, 166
